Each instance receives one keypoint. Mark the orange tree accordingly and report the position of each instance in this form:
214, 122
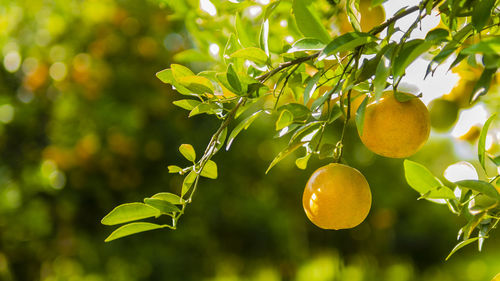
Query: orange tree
297, 62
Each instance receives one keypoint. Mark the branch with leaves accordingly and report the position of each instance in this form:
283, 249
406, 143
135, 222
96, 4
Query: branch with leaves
309, 84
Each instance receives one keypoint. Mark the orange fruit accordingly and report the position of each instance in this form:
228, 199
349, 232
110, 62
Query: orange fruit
444, 114
395, 129
336, 197
496, 278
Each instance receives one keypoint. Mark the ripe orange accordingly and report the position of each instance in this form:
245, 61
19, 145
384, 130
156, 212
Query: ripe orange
395, 129
337, 197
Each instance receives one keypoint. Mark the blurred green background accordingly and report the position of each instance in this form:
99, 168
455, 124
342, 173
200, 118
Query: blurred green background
86, 126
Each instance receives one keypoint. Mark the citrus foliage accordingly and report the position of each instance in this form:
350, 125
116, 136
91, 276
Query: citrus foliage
303, 71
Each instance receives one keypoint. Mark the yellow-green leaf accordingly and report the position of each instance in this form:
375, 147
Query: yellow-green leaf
129, 212
132, 228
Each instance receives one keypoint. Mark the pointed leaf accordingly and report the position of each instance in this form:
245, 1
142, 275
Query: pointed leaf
251, 53
188, 182
308, 21
241, 126
311, 87
169, 197
481, 146
210, 170
264, 37
285, 119
346, 42
480, 186
132, 228
187, 104
424, 182
129, 212
481, 13
198, 84
232, 79
461, 245
307, 44
291, 148
162, 205
360, 115
179, 71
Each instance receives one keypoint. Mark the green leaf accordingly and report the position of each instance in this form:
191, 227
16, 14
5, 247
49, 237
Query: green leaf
187, 104
411, 50
251, 53
437, 35
210, 170
495, 160
173, 169
487, 45
244, 33
308, 21
188, 182
198, 84
241, 126
424, 182
162, 205
291, 148
481, 13
264, 37
311, 86
132, 228
188, 152
208, 108
192, 55
360, 115
301, 163
232, 79
129, 212
353, 15
285, 119
327, 150
461, 245
300, 112
382, 73
166, 77
483, 84
270, 8
346, 42
481, 145
480, 186
169, 197
307, 44
232, 46
179, 71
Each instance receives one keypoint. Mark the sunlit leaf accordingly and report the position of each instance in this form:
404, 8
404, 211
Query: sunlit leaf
188, 182
232, 79
382, 73
285, 119
291, 148
461, 245
307, 44
162, 205
346, 42
311, 86
198, 84
241, 126
179, 71
424, 182
481, 145
301, 163
188, 152
251, 53
169, 197
174, 169
132, 228
308, 20
481, 13
210, 170
129, 212
264, 37
360, 115
483, 84
480, 186
411, 50
187, 104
